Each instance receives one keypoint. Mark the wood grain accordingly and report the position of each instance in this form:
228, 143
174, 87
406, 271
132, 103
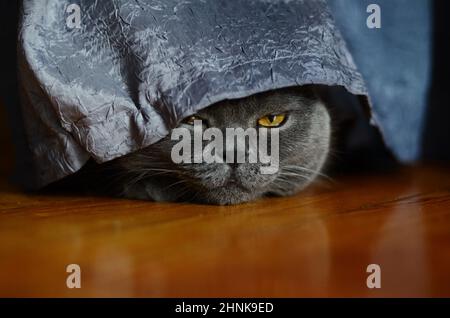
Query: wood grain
317, 243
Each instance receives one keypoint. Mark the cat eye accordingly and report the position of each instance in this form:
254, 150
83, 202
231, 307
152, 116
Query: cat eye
190, 120
271, 121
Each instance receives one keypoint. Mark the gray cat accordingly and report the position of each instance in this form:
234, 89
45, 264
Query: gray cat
304, 141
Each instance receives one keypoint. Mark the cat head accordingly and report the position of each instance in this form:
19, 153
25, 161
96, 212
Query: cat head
295, 116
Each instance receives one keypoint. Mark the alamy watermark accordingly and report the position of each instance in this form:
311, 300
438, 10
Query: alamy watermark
74, 278
73, 20
373, 281
250, 145
374, 19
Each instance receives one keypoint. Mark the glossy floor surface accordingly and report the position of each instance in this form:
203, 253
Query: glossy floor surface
318, 243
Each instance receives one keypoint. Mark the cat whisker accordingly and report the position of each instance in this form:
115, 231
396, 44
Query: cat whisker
174, 184
291, 174
182, 193
314, 172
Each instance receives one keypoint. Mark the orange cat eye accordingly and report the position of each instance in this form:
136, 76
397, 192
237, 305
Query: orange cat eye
271, 121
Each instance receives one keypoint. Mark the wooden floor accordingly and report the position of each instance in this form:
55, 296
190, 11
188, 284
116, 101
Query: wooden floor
318, 243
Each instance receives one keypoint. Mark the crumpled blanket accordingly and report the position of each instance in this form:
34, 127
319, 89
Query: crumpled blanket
130, 70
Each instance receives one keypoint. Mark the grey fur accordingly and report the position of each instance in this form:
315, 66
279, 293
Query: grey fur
304, 147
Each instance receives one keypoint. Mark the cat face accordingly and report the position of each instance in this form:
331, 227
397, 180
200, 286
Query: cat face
303, 126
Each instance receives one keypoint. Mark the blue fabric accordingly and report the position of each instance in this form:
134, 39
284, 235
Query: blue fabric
135, 69
395, 62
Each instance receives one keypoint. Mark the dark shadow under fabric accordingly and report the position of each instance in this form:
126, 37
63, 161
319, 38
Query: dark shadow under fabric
9, 13
436, 139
